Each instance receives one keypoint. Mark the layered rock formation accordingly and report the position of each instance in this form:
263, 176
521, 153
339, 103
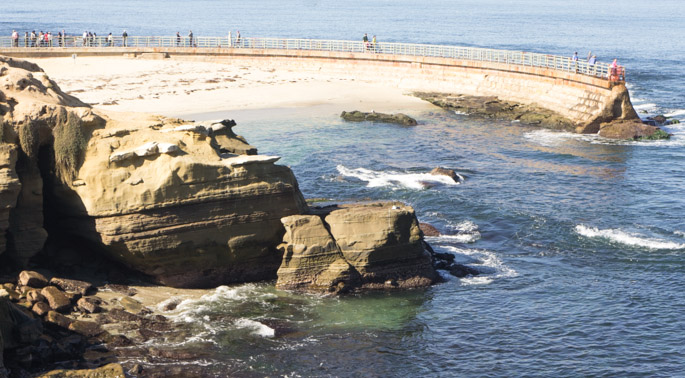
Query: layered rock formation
399, 118
189, 204
369, 246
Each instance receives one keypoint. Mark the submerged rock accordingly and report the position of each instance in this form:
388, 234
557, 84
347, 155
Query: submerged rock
353, 247
493, 107
398, 118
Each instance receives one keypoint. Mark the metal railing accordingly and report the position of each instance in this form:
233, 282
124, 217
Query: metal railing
601, 70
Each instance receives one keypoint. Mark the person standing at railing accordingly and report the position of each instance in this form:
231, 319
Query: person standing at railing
33, 38
15, 38
373, 44
110, 40
178, 39
230, 42
365, 39
613, 71
124, 36
574, 59
237, 38
190, 38
591, 64
85, 38
26, 39
63, 41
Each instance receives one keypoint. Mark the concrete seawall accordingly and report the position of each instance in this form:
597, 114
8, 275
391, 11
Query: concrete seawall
585, 100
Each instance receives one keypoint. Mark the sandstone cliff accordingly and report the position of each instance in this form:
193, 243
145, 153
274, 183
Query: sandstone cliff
369, 246
188, 204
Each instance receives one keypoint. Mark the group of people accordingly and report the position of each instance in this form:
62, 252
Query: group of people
41, 39
47, 39
613, 74
369, 45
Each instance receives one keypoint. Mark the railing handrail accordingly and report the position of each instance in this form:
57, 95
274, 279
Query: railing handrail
522, 58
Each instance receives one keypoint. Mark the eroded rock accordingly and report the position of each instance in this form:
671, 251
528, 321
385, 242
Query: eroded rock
57, 300
365, 246
398, 118
32, 279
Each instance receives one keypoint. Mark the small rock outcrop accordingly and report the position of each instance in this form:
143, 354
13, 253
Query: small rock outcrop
439, 171
353, 247
398, 118
631, 130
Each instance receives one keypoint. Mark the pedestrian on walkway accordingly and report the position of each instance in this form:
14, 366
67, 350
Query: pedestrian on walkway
124, 35
190, 38
237, 38
15, 38
178, 39
110, 40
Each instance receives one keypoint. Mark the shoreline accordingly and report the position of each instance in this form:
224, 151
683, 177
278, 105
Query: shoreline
180, 88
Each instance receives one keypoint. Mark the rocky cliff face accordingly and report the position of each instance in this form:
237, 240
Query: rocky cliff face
189, 204
32, 107
369, 246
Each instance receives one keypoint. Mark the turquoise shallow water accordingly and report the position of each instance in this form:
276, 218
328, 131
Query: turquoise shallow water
580, 241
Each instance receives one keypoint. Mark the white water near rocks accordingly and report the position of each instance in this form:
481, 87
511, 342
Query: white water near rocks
579, 239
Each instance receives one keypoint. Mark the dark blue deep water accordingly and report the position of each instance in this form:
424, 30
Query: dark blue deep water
580, 241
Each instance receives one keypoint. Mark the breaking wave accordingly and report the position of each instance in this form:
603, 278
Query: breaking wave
486, 262
397, 180
626, 238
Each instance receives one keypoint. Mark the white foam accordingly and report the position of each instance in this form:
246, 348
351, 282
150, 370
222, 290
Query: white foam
466, 232
676, 113
550, 138
680, 233
396, 179
631, 239
489, 266
256, 327
460, 113
647, 107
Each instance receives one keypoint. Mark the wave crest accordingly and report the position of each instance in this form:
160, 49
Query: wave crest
626, 238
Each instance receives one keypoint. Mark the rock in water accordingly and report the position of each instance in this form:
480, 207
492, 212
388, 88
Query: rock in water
311, 259
631, 130
429, 230
398, 118
369, 246
439, 171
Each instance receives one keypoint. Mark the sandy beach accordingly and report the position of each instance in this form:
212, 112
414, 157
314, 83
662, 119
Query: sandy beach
179, 88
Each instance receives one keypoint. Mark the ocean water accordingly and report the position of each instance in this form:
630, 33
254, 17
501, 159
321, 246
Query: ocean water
580, 241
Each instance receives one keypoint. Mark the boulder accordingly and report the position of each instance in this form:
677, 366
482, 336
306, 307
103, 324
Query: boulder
631, 130
439, 171
355, 247
429, 230
85, 328
57, 300
34, 296
90, 305
398, 118
74, 286
40, 308
58, 319
32, 279
311, 258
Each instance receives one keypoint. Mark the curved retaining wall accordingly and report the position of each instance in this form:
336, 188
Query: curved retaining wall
585, 100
